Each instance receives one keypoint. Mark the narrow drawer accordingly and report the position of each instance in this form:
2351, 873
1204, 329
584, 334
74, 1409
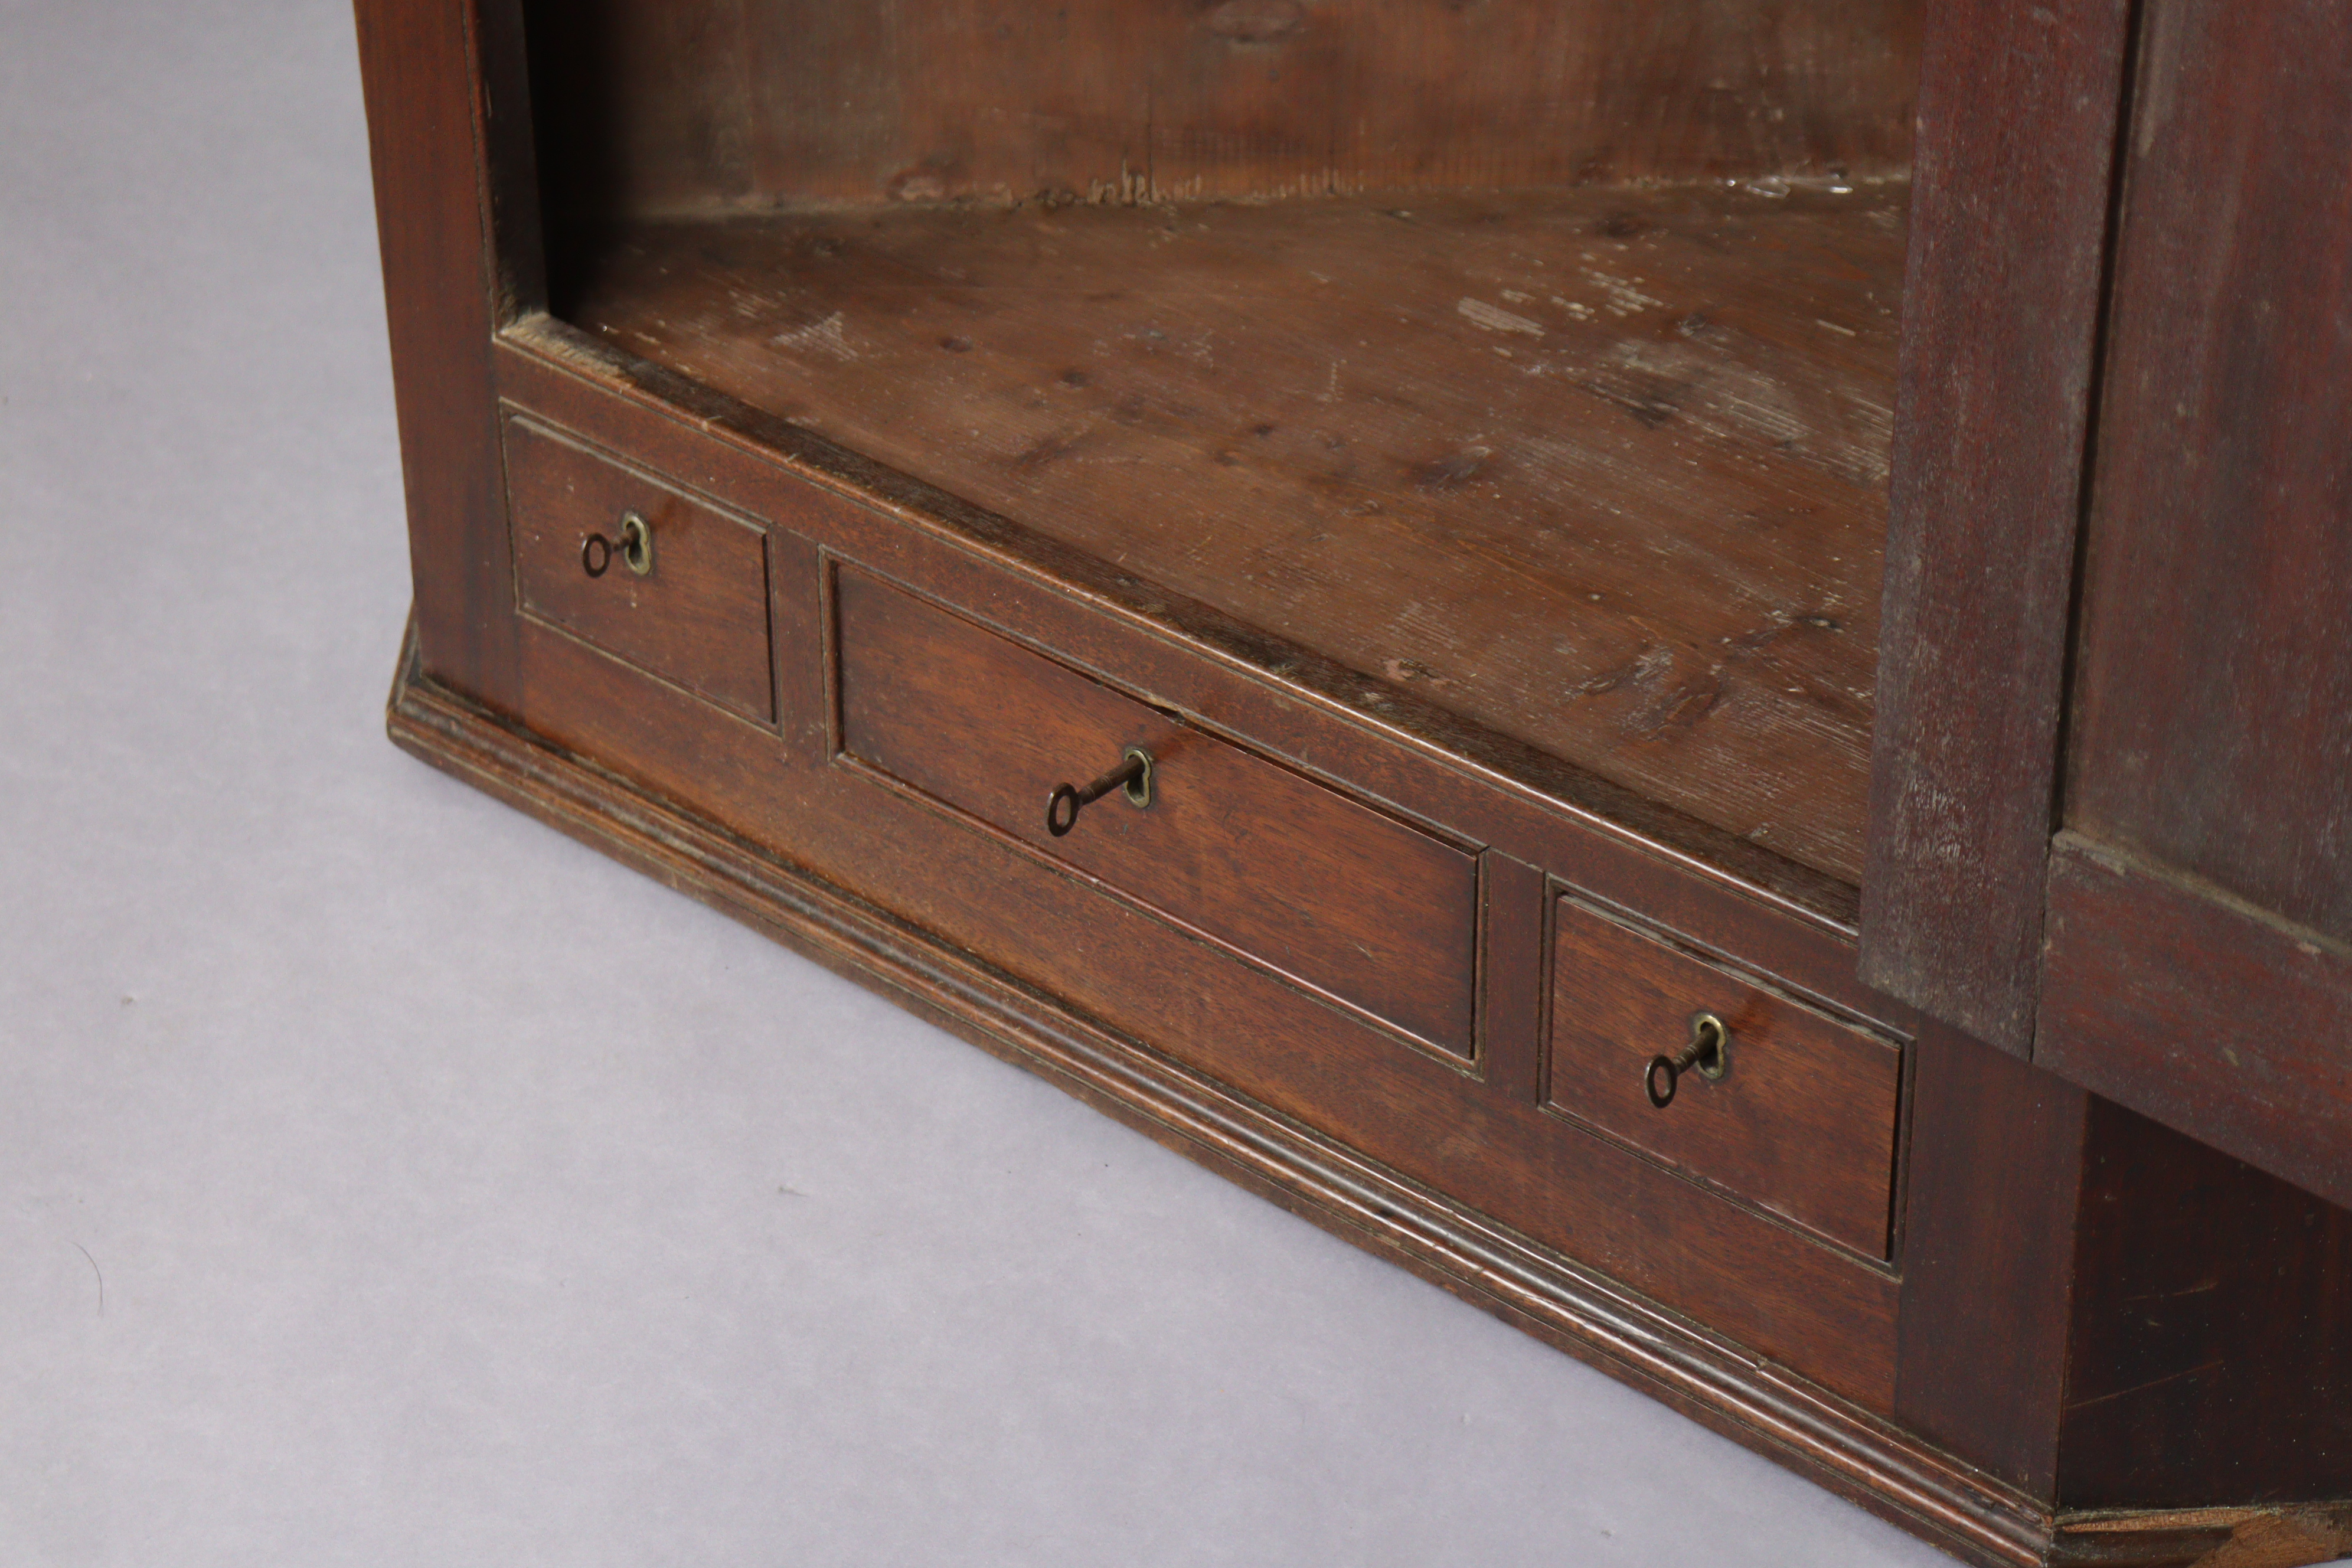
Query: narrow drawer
697, 615
1803, 1121
1334, 895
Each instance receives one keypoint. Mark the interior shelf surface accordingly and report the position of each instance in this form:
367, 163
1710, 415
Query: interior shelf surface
1601, 469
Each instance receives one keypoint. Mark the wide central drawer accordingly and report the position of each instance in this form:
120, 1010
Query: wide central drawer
1346, 900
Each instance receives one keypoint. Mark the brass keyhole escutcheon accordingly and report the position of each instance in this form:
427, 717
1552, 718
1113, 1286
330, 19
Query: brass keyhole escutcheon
635, 546
1709, 1051
1131, 778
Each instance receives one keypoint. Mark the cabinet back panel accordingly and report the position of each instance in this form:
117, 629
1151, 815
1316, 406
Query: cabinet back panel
2212, 704
720, 105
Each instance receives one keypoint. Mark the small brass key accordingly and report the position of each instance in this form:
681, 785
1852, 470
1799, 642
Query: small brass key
1132, 777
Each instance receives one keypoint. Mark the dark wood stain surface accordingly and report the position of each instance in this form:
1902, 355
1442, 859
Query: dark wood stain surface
1603, 472
1355, 904
1053, 927
1802, 1123
1511, 977
1803, 1304
418, 67
1756, 1403
1461, 432
2112, 1316
1996, 1160
700, 617
2213, 1308
1986, 1328
2203, 1013
1890, 1470
2285, 1537
1363, 733
2213, 722
2017, 110
700, 106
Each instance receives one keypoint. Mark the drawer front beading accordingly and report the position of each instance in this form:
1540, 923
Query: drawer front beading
640, 569
1766, 1098
1351, 902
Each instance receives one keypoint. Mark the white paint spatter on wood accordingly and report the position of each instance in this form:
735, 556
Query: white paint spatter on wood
1624, 298
1495, 319
829, 337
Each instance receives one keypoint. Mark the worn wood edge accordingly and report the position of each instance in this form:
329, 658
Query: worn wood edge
2288, 1536
421, 89
2012, 220
1860, 1455
1453, 742
2277, 993
507, 147
2074, 845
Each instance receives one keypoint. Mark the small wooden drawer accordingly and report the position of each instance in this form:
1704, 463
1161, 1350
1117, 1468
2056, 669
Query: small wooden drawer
1803, 1121
1350, 903
698, 617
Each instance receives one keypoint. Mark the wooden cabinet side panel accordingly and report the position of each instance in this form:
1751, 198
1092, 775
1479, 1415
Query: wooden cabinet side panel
2199, 959
2212, 1338
2008, 222
417, 60
1996, 1168
2212, 721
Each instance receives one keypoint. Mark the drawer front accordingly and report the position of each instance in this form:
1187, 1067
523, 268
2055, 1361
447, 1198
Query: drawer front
1344, 900
698, 617
1804, 1119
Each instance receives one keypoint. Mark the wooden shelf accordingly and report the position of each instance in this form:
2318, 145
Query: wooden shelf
1604, 470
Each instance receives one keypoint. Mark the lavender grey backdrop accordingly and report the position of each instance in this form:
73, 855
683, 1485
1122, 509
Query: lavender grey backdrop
386, 1180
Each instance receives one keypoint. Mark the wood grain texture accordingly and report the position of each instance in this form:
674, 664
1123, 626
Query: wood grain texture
2115, 1318
2212, 727
1713, 894
1356, 905
763, 803
2211, 1358
1511, 976
1386, 742
1452, 1170
1913, 1483
743, 105
1059, 932
798, 610
1603, 472
1996, 1164
509, 158
2018, 112
1990, 1223
2202, 1012
1804, 1123
1762, 1407
418, 70
2205, 1538
698, 618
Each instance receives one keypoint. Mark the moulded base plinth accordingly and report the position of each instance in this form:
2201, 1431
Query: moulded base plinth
1861, 1457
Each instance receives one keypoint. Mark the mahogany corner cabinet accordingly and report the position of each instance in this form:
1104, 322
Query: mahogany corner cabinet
1684, 663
